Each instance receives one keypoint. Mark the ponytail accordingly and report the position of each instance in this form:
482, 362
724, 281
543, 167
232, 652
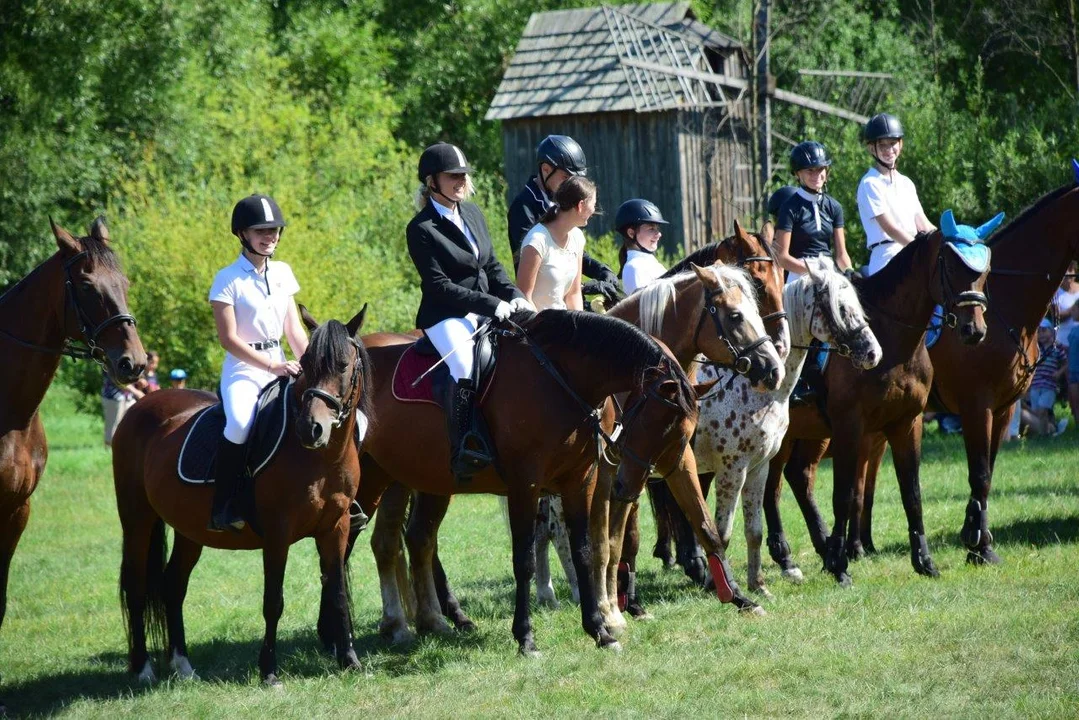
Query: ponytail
623, 255
572, 191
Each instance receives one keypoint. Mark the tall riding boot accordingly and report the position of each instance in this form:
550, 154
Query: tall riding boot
227, 477
468, 452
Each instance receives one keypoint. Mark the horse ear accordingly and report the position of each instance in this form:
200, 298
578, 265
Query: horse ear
985, 230
702, 388
947, 224
706, 278
740, 232
1075, 169
308, 319
356, 322
98, 231
64, 240
768, 232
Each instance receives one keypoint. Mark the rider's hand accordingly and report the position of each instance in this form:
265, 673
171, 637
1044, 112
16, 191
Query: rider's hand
522, 304
853, 274
503, 310
289, 367
610, 291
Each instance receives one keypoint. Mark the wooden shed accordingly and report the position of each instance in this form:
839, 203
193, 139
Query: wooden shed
658, 101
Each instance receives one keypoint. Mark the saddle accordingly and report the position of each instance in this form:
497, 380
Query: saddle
421, 356
198, 456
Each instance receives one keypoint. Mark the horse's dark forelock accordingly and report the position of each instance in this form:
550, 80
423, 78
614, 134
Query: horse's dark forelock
331, 349
709, 254
1031, 211
616, 343
101, 256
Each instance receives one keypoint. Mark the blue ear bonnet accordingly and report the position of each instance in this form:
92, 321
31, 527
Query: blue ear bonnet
966, 241
1075, 169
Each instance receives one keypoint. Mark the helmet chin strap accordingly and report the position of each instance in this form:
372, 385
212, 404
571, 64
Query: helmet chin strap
886, 166
640, 248
434, 189
247, 246
545, 178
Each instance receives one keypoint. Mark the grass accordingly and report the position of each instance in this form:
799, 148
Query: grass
1000, 642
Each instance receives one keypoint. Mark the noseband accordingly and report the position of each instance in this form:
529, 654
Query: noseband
90, 331
340, 409
967, 298
740, 362
843, 339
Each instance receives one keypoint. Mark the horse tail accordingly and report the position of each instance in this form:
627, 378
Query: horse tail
153, 577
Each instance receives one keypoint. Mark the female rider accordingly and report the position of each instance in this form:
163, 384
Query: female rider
253, 306
638, 222
461, 281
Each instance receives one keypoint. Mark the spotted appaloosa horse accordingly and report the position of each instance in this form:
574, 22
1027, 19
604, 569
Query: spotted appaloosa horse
739, 431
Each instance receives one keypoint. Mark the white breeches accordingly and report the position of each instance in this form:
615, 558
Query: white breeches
881, 255
454, 335
240, 390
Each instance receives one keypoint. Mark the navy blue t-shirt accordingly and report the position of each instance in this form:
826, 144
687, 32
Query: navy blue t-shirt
811, 232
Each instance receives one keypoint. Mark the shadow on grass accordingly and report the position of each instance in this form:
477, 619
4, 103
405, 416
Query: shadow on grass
1034, 532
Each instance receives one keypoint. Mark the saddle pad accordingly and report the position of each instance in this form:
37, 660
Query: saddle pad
413, 364
935, 327
198, 456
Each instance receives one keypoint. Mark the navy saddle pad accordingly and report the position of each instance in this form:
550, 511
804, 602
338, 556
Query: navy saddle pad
199, 452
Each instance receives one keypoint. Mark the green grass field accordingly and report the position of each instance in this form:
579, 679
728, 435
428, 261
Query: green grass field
978, 642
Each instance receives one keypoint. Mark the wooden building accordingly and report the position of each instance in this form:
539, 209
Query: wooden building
658, 101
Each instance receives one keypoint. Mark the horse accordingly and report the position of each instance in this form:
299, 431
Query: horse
888, 399
74, 304
304, 491
547, 418
981, 383
739, 432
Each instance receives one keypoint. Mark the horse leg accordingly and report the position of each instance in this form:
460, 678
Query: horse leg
387, 548
599, 530
752, 500
544, 585
872, 473
331, 554
10, 531
982, 430
561, 541
846, 459
866, 454
778, 547
274, 559
522, 505
627, 563
576, 504
619, 513
801, 475
447, 601
421, 536
906, 444
185, 555
141, 584
659, 497
691, 555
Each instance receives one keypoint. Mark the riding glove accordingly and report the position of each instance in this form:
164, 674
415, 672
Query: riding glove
503, 310
610, 291
522, 304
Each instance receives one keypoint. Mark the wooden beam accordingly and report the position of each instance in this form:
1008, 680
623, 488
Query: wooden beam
709, 77
828, 109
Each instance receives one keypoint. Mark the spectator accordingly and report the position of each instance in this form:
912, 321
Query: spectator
1073, 364
115, 400
1063, 302
178, 378
148, 382
1052, 364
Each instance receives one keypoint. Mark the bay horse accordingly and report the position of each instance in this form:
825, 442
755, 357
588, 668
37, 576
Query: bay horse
74, 304
304, 491
546, 427
888, 399
981, 383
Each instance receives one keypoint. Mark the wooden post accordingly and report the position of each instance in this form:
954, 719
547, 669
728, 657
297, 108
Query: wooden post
764, 107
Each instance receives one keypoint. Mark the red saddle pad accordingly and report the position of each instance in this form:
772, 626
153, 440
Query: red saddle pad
410, 366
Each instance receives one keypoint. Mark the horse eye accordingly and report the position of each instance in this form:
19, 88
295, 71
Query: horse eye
736, 317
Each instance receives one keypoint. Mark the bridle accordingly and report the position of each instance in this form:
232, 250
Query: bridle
90, 332
618, 443
740, 360
843, 339
743, 261
341, 409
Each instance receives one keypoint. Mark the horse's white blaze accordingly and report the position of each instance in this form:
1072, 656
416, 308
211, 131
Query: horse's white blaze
146, 676
182, 666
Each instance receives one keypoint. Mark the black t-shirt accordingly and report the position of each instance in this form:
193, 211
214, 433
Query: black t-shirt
811, 228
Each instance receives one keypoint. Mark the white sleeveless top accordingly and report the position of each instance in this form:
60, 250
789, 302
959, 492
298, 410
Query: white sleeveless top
558, 266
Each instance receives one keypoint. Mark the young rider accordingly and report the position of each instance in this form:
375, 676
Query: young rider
550, 270
558, 157
887, 200
638, 221
810, 221
461, 281
253, 307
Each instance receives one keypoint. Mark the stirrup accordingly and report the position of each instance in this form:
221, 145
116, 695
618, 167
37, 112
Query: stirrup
226, 520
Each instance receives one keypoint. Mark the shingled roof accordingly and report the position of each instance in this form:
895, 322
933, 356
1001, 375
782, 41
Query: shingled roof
567, 61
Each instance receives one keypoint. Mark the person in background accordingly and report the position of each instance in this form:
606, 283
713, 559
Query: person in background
638, 222
1073, 364
550, 271
115, 401
178, 378
1052, 365
1063, 302
148, 382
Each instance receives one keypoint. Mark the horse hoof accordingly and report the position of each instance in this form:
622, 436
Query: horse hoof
843, 580
146, 675
927, 568
397, 635
754, 610
794, 575
855, 551
349, 661
466, 626
613, 646
551, 603
763, 592
529, 651
272, 682
435, 626
983, 556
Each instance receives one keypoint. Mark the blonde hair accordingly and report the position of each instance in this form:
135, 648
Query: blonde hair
423, 192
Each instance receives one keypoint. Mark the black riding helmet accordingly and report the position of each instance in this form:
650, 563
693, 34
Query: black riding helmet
562, 153
255, 212
442, 157
809, 154
882, 126
636, 212
780, 196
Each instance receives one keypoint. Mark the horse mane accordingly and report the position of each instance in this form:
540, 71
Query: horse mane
330, 349
829, 280
660, 293
1034, 209
101, 255
709, 254
611, 341
876, 289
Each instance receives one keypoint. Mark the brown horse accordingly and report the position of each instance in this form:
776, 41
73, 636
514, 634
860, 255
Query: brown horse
305, 491
79, 295
980, 384
888, 399
546, 427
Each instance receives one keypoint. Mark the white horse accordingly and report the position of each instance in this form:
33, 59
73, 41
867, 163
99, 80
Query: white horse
739, 430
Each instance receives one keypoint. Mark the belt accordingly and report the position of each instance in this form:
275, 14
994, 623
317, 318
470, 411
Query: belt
878, 244
266, 344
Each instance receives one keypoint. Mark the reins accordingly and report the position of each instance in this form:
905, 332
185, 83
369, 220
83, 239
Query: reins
843, 349
341, 409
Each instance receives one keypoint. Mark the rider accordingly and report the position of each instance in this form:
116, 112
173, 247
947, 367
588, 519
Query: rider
253, 306
887, 200
810, 221
558, 157
638, 221
461, 281
550, 270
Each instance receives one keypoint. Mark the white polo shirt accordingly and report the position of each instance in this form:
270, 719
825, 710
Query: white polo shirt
896, 195
260, 302
641, 269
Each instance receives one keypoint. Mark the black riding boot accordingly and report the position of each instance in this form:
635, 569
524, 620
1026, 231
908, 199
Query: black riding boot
227, 477
468, 452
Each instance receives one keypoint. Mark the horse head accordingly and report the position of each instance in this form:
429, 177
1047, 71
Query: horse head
835, 313
739, 340
336, 379
963, 266
95, 303
755, 255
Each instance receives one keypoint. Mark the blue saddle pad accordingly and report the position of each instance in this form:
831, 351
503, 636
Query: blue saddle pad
198, 456
936, 326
